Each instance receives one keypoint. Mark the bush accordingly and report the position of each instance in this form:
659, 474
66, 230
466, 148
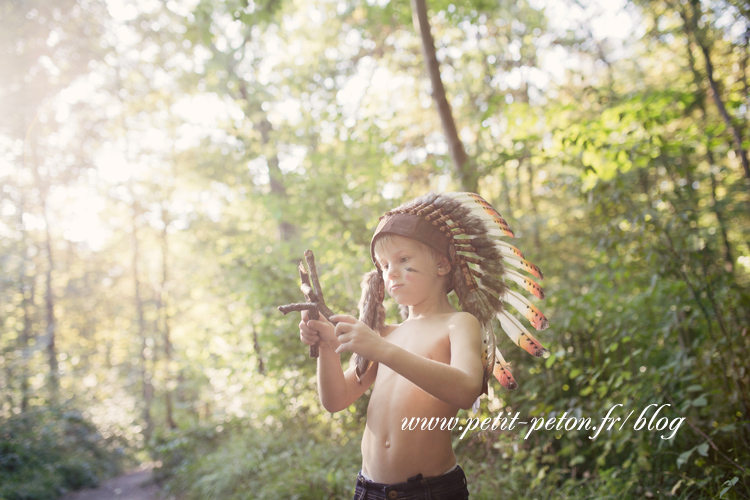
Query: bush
46, 452
257, 462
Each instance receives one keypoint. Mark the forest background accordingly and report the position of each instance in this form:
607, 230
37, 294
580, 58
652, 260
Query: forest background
164, 165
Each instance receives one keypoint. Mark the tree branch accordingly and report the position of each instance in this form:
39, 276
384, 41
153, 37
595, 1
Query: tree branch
313, 295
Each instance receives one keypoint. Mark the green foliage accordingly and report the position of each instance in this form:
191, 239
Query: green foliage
269, 462
621, 180
46, 452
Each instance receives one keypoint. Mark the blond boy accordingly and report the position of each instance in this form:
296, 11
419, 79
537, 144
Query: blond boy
439, 359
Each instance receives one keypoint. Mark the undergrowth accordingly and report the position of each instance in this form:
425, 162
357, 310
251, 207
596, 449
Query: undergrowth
47, 452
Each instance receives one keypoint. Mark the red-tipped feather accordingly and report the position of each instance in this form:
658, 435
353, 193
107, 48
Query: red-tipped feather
508, 249
525, 265
479, 206
502, 372
528, 284
522, 305
520, 335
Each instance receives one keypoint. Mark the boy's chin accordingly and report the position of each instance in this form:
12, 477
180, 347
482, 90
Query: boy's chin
402, 301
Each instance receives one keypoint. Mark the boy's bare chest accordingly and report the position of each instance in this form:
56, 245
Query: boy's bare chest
429, 340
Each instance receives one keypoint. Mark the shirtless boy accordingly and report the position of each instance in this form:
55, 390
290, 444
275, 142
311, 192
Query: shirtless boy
431, 365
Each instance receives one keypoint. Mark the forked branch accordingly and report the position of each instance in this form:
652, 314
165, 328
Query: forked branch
313, 295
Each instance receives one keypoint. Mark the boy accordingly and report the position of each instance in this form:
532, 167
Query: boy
433, 364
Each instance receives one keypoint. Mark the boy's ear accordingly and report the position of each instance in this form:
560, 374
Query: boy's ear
444, 266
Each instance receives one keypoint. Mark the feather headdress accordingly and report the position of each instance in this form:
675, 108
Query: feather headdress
465, 228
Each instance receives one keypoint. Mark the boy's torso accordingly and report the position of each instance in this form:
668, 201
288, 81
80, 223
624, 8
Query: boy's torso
390, 454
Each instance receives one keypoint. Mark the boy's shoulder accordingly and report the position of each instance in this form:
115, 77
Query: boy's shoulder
463, 320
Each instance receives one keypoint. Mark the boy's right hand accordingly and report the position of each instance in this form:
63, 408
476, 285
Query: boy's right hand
318, 331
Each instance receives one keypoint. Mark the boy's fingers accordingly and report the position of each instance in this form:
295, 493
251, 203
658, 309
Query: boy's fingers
343, 318
342, 328
310, 337
341, 348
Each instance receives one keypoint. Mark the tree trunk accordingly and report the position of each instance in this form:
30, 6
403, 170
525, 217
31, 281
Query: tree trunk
532, 203
28, 288
286, 230
728, 254
49, 299
463, 167
691, 29
146, 386
256, 346
164, 307
53, 376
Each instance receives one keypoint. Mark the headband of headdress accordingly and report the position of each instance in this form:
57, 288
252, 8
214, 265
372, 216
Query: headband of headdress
465, 228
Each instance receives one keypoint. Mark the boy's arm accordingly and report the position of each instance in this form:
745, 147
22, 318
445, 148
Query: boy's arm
337, 388
459, 383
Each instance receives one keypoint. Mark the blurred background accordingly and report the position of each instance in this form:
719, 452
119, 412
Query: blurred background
164, 164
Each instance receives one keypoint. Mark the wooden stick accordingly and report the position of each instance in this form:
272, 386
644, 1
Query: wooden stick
313, 295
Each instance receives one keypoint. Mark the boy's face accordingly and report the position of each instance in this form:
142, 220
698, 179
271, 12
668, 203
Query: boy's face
410, 271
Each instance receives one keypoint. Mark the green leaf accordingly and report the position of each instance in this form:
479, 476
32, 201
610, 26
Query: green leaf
684, 457
700, 401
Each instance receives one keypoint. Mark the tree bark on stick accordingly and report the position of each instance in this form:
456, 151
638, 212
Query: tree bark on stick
469, 181
315, 305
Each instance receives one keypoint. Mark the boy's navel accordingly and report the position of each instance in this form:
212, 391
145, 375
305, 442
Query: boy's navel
387, 443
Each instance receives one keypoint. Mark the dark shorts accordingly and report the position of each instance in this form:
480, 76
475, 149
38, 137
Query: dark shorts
448, 486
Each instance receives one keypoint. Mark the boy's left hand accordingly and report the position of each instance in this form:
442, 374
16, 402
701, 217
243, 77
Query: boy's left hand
357, 337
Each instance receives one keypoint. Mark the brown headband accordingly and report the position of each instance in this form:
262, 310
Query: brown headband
416, 228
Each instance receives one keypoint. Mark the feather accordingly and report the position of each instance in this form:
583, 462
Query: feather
496, 285
520, 335
478, 200
502, 372
488, 355
501, 232
508, 249
482, 209
525, 265
528, 284
526, 308
503, 246
482, 304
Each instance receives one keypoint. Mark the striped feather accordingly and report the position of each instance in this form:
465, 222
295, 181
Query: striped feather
525, 265
503, 231
528, 284
480, 207
526, 308
503, 246
520, 335
502, 372
508, 249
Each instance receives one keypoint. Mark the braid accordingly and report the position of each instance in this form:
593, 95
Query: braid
371, 312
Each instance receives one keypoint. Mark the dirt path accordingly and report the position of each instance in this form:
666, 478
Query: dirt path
135, 485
